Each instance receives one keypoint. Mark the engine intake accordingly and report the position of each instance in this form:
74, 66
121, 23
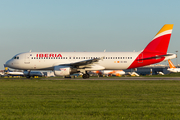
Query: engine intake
63, 70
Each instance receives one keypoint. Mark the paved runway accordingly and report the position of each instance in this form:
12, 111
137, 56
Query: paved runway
117, 78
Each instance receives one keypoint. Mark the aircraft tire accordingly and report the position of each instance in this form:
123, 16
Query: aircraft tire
85, 76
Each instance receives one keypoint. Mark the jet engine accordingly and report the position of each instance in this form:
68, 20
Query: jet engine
64, 70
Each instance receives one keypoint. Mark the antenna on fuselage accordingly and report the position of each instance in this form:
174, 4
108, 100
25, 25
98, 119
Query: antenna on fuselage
30, 51
105, 50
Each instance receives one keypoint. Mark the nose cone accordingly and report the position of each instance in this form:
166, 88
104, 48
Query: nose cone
8, 63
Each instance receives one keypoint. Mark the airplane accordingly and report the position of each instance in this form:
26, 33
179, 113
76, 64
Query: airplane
25, 73
110, 72
68, 63
33, 73
11, 73
172, 67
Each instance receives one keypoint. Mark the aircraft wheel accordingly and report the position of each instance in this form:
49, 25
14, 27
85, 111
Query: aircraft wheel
85, 76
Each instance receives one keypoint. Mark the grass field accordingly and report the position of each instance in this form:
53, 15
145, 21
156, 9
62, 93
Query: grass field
88, 100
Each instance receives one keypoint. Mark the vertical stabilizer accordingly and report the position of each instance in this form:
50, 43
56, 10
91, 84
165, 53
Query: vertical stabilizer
156, 50
6, 69
171, 65
160, 42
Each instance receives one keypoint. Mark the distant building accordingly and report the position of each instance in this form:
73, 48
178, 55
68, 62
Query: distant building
150, 70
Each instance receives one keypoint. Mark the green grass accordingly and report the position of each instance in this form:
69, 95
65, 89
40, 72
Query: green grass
93, 100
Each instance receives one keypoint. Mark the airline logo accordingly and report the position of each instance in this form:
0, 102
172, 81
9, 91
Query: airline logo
48, 55
62, 69
6, 68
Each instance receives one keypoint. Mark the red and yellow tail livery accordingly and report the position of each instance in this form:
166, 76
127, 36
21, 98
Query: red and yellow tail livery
156, 50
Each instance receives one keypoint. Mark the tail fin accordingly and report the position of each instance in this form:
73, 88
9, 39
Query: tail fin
171, 65
160, 42
156, 50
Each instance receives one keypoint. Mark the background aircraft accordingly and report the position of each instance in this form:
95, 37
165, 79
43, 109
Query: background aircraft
109, 72
172, 67
9, 72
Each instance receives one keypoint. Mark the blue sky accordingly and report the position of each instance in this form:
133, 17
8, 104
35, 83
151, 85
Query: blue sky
84, 25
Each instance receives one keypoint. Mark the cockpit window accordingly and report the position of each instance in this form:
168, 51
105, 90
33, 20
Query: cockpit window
16, 57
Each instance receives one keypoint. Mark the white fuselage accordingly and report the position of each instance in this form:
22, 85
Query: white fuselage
108, 60
174, 69
45, 61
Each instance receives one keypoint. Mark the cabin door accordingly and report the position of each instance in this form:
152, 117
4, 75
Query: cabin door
140, 58
27, 58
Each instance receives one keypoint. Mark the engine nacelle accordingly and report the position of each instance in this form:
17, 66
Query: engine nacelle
63, 70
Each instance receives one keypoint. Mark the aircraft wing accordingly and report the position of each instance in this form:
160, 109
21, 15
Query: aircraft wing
83, 63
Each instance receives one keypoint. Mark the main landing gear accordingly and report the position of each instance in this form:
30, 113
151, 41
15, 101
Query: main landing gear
85, 76
28, 75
